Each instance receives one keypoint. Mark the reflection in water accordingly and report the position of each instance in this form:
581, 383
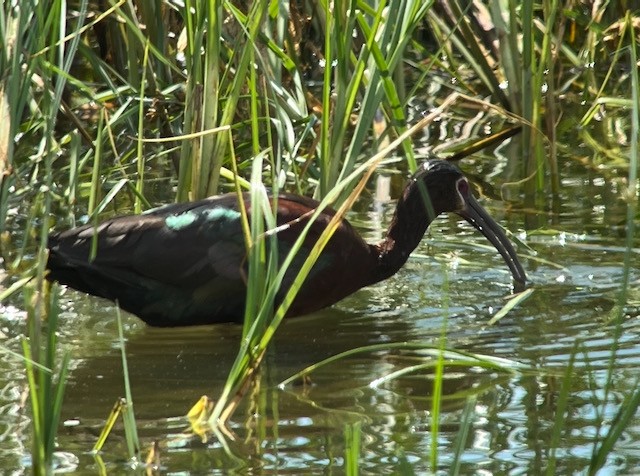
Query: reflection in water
452, 282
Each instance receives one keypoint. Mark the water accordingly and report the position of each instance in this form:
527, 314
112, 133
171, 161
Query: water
575, 275
452, 284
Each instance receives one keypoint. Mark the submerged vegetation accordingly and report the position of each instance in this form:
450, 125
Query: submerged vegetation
118, 106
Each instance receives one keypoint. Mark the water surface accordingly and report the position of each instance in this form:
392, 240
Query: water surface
452, 286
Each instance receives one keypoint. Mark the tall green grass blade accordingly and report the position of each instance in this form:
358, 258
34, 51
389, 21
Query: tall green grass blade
383, 73
96, 167
362, 86
211, 147
436, 398
327, 109
548, 78
342, 88
561, 416
209, 80
588, 53
130, 428
510, 305
426, 349
508, 30
137, 206
251, 28
629, 406
254, 107
470, 48
530, 70
259, 261
194, 165
46, 380
38, 455
29, 228
47, 390
22, 358
352, 438
461, 438
154, 20
626, 413
436, 402
116, 411
600, 97
122, 408
255, 343
135, 36
111, 194
50, 394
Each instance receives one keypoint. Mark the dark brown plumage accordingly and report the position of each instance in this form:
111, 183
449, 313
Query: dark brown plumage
184, 264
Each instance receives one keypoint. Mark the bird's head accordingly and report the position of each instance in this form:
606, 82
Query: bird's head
439, 187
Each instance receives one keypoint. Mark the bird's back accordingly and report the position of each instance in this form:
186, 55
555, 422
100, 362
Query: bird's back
185, 264
177, 264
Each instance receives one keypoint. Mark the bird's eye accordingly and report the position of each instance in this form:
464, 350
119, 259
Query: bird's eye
463, 187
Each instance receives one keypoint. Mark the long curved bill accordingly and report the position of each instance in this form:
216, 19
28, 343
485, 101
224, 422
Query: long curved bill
480, 219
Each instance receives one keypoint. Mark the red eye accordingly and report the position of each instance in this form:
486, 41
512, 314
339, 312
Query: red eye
463, 187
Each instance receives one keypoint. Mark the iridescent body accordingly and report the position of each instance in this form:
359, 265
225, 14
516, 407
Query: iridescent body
185, 264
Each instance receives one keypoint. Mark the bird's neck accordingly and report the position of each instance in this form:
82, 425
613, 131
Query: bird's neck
409, 224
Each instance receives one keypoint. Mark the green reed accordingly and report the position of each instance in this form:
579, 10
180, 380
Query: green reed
122, 408
525, 55
46, 377
42, 52
365, 79
609, 430
266, 275
604, 444
353, 441
237, 107
436, 393
337, 173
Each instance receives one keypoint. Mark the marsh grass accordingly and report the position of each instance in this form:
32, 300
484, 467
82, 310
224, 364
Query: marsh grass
227, 87
263, 283
526, 55
46, 377
421, 361
353, 441
429, 353
628, 407
26, 56
609, 430
437, 392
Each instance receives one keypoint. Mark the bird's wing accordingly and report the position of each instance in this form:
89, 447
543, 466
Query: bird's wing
173, 245
173, 262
